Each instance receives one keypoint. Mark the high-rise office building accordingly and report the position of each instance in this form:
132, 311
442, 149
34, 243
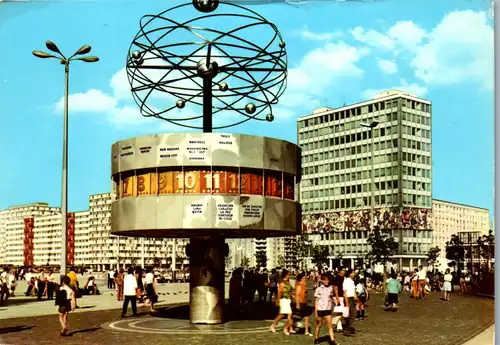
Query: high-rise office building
335, 191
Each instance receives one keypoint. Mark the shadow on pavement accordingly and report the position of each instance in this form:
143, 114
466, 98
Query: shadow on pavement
254, 311
23, 300
15, 329
89, 330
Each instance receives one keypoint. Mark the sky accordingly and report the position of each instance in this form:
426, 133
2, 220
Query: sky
338, 52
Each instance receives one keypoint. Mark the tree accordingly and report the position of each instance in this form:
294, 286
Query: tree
228, 259
261, 258
281, 261
319, 255
455, 252
245, 262
432, 256
303, 249
383, 247
486, 246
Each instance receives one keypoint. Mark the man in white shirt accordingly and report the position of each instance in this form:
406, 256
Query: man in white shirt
149, 285
351, 299
111, 279
129, 292
421, 276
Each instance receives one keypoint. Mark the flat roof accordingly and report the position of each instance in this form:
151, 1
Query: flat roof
459, 204
30, 204
382, 96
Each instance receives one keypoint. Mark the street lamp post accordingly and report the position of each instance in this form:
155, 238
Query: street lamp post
371, 126
64, 192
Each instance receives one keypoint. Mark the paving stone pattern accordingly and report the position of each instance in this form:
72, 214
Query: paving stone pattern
430, 321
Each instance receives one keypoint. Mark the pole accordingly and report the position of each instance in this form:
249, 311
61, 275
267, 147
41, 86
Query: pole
64, 187
372, 189
207, 105
118, 253
174, 260
142, 253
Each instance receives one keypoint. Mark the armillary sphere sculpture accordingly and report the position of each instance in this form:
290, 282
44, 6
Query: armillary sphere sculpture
239, 62
213, 68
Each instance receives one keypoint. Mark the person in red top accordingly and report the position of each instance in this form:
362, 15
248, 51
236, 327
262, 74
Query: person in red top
301, 301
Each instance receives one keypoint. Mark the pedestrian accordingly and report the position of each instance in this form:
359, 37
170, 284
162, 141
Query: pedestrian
301, 301
284, 301
119, 285
111, 274
393, 291
350, 301
50, 285
236, 291
447, 285
66, 301
323, 303
422, 276
273, 284
414, 283
150, 285
263, 285
73, 283
12, 282
130, 291
362, 293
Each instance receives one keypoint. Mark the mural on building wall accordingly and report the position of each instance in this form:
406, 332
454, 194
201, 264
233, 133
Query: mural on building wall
29, 225
70, 230
384, 219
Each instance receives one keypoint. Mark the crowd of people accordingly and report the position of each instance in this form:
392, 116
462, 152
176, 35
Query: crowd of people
336, 298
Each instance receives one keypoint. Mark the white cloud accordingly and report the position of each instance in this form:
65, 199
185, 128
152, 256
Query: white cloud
323, 65
413, 88
387, 66
91, 101
372, 38
307, 34
459, 49
407, 33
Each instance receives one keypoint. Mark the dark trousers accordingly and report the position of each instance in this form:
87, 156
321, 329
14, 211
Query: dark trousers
111, 283
133, 301
41, 288
50, 290
352, 311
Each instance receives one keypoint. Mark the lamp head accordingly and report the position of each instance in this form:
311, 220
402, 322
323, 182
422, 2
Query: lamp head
52, 47
83, 50
42, 55
89, 58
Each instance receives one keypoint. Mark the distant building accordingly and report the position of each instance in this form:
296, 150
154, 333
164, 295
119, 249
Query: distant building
31, 235
453, 218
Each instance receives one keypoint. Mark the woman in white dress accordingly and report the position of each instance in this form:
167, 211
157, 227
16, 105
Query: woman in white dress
447, 286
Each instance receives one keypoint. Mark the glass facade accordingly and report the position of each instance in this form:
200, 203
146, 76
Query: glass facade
335, 191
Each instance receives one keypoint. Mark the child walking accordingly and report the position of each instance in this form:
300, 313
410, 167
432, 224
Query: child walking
323, 303
66, 301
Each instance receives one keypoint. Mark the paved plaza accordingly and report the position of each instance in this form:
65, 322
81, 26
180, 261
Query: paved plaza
431, 321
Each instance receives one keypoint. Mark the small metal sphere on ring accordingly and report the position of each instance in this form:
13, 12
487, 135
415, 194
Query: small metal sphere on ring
206, 5
269, 117
223, 87
250, 108
180, 103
